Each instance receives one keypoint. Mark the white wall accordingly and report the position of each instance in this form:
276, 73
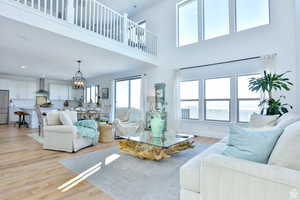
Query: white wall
278, 37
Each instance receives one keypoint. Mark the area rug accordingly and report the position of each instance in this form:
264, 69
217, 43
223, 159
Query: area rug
130, 178
37, 138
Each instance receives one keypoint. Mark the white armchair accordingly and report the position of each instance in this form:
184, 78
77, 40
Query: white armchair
127, 122
63, 137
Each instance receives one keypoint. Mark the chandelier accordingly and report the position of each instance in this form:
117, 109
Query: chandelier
78, 80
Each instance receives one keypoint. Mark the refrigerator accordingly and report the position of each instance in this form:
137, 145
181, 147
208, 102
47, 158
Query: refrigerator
4, 106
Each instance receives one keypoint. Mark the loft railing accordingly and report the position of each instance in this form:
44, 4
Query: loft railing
100, 19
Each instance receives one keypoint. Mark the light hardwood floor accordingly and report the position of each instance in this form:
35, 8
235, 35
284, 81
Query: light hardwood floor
29, 172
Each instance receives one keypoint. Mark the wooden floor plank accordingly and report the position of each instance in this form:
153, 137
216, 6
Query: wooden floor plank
28, 172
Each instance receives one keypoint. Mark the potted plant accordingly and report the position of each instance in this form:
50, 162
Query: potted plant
267, 84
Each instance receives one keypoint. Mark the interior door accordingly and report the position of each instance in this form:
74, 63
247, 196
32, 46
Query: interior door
4, 106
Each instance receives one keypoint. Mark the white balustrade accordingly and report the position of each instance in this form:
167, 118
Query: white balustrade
100, 19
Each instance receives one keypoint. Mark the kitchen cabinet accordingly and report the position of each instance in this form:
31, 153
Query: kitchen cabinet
60, 92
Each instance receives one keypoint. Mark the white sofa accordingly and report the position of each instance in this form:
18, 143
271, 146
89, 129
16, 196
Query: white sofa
212, 176
63, 137
127, 122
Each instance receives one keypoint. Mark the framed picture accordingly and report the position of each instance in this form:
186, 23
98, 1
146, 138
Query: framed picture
105, 93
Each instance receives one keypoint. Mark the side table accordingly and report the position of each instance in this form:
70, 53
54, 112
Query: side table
106, 133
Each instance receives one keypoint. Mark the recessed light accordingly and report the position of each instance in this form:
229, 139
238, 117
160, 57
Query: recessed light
23, 67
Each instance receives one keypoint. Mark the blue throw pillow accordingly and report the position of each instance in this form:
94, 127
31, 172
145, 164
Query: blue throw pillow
253, 145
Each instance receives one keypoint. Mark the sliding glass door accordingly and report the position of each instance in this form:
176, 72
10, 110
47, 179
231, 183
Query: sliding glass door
128, 93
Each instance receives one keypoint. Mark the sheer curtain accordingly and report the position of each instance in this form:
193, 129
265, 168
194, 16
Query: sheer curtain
269, 63
143, 96
176, 101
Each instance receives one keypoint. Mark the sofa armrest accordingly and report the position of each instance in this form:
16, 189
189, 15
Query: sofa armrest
64, 129
240, 179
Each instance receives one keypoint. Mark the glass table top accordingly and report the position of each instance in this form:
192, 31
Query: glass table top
170, 138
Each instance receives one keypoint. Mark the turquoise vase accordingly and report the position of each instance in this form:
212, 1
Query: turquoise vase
157, 126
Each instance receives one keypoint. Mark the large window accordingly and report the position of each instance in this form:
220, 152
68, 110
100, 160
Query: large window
189, 99
92, 93
216, 18
248, 101
217, 99
128, 93
187, 13
251, 13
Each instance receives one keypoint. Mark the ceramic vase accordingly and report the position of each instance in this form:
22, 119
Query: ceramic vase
157, 126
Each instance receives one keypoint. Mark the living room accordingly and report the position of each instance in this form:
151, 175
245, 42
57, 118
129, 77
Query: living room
138, 100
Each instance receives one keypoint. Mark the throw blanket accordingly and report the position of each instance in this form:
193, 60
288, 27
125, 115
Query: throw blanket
88, 129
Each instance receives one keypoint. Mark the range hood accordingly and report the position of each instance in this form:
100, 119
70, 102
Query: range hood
42, 90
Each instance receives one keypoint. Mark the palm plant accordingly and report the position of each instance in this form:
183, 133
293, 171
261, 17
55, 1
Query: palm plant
267, 84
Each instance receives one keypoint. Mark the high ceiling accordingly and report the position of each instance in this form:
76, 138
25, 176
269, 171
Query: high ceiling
46, 54
129, 6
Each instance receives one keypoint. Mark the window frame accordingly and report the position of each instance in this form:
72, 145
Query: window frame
199, 21
223, 100
242, 99
236, 20
97, 92
203, 21
129, 79
233, 26
191, 100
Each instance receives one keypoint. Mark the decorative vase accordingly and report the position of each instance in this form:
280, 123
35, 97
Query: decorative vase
157, 126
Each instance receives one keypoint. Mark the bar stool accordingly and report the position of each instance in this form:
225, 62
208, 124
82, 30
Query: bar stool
22, 121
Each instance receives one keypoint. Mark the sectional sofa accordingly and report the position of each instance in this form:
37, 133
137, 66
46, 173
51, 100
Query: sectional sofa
212, 176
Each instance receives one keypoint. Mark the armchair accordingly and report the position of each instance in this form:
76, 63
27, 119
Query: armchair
127, 122
63, 137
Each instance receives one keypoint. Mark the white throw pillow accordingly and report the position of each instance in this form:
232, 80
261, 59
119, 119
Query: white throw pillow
287, 119
72, 115
65, 119
53, 118
287, 150
260, 121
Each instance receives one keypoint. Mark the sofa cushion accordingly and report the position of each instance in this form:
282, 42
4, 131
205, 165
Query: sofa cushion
259, 121
190, 172
287, 119
287, 150
65, 119
53, 118
61, 129
72, 115
252, 145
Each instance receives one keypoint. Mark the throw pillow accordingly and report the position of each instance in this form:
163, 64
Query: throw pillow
287, 119
253, 145
287, 150
65, 119
259, 121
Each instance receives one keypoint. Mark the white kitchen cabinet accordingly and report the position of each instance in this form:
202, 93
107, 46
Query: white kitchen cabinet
60, 92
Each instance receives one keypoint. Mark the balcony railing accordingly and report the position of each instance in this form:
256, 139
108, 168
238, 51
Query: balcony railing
100, 19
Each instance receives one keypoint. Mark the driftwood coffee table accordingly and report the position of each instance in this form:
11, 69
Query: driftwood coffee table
145, 146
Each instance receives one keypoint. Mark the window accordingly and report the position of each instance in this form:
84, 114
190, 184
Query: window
189, 99
92, 93
187, 13
128, 93
251, 13
248, 101
217, 99
216, 18
135, 93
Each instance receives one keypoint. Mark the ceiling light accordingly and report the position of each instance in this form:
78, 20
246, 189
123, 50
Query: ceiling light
78, 80
23, 67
